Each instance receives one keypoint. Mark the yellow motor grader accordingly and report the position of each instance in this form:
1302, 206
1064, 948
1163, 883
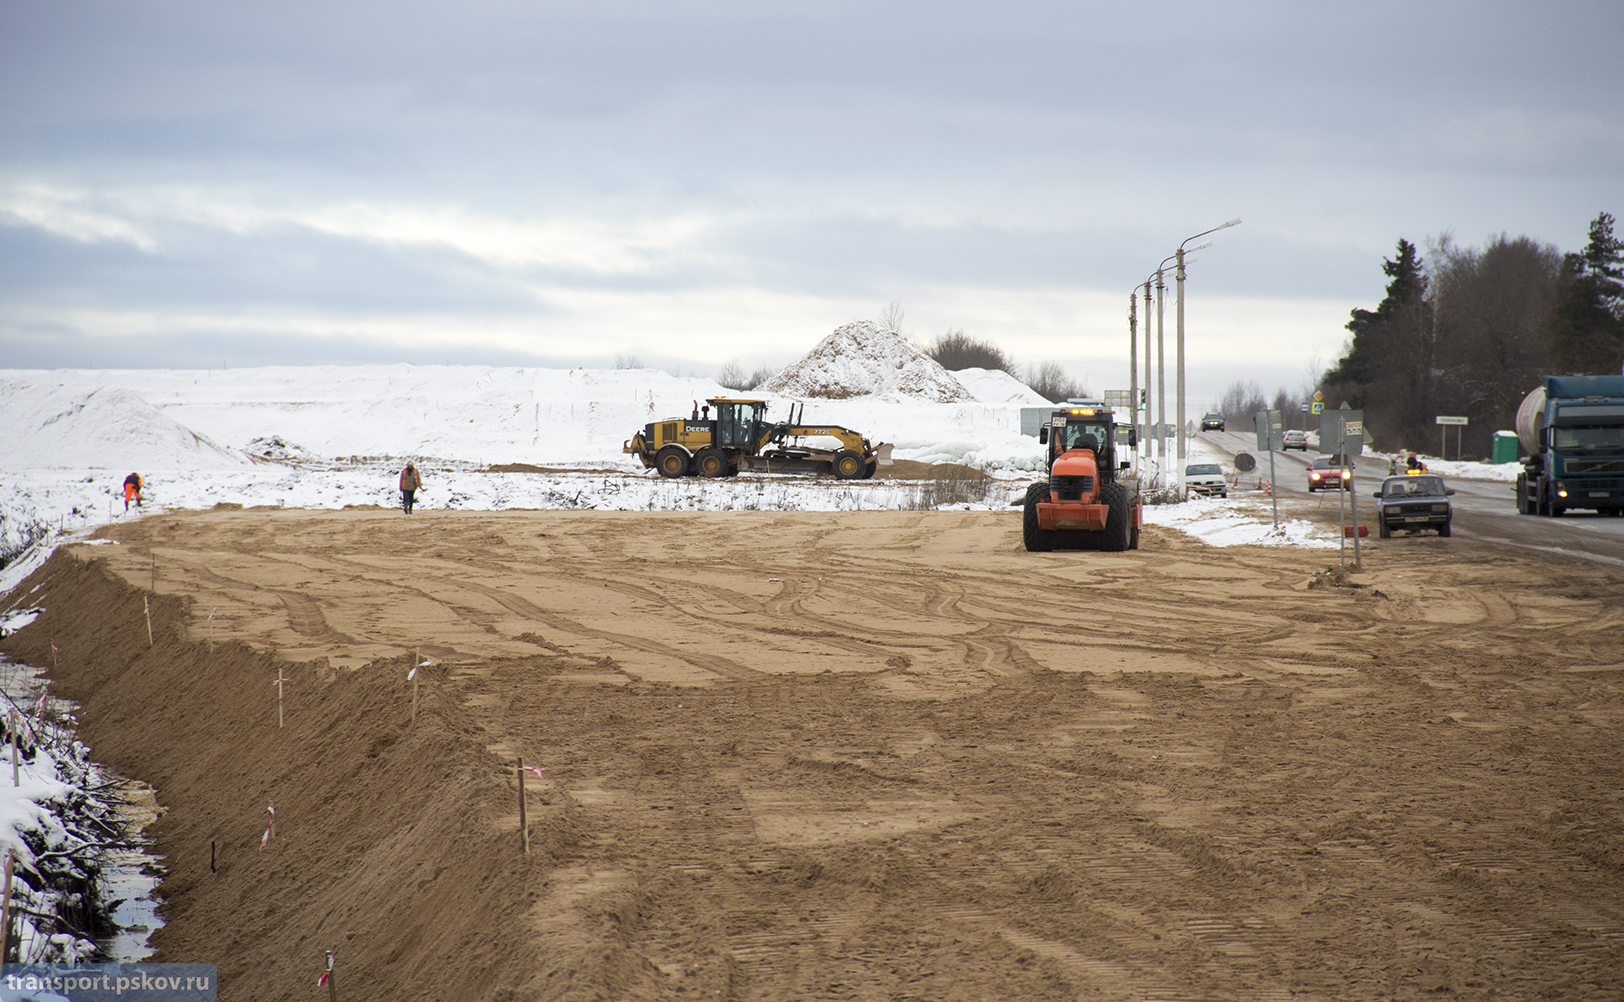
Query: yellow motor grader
734, 434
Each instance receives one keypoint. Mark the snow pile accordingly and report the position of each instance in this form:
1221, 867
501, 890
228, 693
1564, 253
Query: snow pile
1235, 522
859, 360
995, 386
1504, 472
61, 425
275, 447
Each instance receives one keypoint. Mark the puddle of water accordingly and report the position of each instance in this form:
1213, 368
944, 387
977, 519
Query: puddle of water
130, 878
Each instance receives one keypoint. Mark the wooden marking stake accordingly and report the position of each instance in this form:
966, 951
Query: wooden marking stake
524, 822
5, 910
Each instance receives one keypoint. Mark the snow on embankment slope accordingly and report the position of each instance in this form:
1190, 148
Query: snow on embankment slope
64, 424
877, 382
470, 413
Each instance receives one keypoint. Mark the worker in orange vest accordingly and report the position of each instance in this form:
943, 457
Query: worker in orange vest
410, 484
132, 490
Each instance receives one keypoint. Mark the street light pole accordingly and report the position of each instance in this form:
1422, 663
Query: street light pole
1133, 371
1161, 363
1180, 255
1161, 375
1147, 363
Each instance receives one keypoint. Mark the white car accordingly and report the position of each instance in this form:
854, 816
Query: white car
1206, 478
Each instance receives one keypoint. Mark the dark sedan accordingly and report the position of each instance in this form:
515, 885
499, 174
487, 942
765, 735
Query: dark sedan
1413, 502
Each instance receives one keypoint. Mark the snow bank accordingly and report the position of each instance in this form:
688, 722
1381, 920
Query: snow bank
1237, 522
995, 386
860, 359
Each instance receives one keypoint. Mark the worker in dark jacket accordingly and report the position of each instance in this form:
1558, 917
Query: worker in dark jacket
410, 484
132, 490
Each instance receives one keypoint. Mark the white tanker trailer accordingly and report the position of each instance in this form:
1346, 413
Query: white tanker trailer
1572, 428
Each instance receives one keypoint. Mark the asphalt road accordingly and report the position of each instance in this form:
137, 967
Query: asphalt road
1484, 509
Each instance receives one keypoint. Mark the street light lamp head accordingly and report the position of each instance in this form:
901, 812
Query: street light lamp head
1203, 245
1233, 222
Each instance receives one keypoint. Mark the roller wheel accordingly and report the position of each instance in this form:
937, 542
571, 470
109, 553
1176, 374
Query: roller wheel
710, 462
1036, 538
848, 465
671, 461
1118, 518
1443, 530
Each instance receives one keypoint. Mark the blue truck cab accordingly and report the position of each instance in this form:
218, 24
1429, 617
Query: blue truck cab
1572, 429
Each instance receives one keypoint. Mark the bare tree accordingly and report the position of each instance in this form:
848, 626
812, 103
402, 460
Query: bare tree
1049, 381
891, 317
628, 362
957, 350
732, 376
1495, 311
1241, 401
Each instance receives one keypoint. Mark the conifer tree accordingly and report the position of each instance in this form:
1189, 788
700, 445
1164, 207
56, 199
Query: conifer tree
1589, 334
1388, 364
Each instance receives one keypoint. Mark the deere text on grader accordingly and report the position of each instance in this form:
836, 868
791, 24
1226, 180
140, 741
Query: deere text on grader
739, 437
1082, 506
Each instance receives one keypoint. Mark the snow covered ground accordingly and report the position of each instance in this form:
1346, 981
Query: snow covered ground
331, 436
336, 436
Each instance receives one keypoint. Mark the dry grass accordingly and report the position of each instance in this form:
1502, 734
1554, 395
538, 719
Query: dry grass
952, 484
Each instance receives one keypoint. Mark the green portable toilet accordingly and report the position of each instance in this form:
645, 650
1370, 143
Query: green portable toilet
1505, 447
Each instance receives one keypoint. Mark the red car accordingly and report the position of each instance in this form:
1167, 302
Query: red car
1329, 473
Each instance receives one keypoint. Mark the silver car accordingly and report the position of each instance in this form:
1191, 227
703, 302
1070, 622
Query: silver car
1206, 478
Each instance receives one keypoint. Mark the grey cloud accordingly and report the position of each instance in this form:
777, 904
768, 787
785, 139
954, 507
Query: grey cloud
836, 149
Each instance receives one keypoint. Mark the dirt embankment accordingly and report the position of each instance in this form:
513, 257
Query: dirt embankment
864, 756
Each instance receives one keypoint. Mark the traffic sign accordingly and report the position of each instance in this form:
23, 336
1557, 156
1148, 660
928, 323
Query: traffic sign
1269, 431
1305, 408
1448, 420
1318, 407
1319, 397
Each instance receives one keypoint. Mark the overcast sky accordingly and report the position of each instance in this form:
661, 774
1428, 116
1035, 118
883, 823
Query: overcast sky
189, 184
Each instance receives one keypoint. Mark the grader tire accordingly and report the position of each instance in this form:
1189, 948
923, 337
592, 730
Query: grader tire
848, 465
710, 462
672, 462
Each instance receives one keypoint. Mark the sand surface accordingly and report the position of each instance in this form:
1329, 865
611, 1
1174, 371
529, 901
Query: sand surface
878, 756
